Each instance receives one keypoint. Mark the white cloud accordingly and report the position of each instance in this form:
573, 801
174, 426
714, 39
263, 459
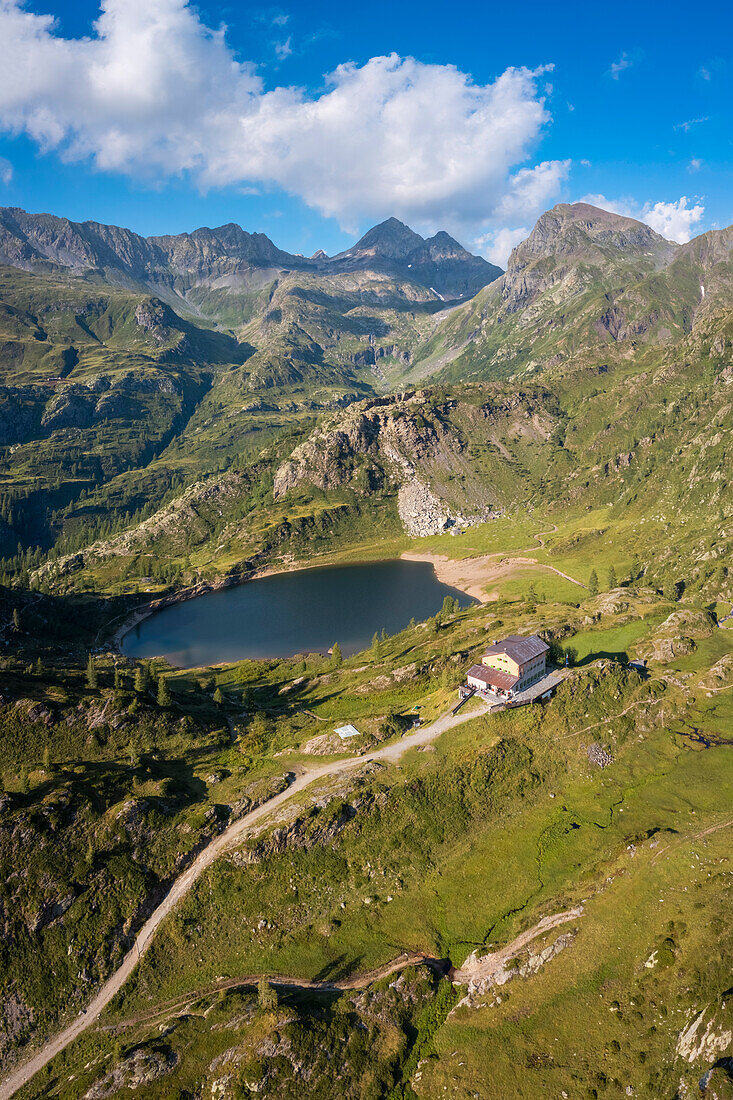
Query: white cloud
687, 126
617, 67
672, 220
496, 246
695, 165
624, 207
283, 49
530, 189
6, 171
155, 93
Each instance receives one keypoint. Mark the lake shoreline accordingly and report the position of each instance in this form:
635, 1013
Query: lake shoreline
329, 603
468, 575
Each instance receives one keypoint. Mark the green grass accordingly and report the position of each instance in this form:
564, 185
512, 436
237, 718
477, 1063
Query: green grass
549, 587
614, 642
502, 535
471, 848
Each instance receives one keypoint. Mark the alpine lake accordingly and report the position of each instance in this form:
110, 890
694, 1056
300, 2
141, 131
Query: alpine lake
302, 611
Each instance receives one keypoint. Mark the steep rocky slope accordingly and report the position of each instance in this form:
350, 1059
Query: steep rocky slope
585, 284
446, 459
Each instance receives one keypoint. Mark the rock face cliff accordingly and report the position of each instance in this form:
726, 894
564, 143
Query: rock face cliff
579, 243
428, 451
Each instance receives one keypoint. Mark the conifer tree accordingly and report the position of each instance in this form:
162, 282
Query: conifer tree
164, 693
91, 673
336, 657
266, 995
593, 583
612, 579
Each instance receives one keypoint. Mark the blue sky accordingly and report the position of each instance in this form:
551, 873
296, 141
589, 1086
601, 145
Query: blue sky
163, 117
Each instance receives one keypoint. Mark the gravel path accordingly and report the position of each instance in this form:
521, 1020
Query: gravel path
181, 886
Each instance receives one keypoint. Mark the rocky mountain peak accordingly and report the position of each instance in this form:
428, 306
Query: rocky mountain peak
391, 239
579, 229
442, 247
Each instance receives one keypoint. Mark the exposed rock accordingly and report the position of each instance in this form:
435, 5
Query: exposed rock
141, 1067
69, 409
675, 637
697, 1042
721, 673
420, 510
325, 744
15, 1020
505, 972
599, 756
393, 434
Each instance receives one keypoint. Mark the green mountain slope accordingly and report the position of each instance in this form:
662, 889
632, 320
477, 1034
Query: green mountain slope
184, 412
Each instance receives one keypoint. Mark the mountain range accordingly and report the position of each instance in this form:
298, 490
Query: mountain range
183, 413
136, 367
228, 256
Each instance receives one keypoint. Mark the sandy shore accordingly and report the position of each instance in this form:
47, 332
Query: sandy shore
475, 576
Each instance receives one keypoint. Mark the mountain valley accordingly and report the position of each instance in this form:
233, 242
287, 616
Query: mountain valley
521, 902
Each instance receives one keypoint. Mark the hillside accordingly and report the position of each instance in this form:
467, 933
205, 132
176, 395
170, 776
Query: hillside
500, 903
585, 284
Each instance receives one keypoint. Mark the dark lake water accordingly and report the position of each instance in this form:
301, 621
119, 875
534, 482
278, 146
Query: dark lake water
299, 612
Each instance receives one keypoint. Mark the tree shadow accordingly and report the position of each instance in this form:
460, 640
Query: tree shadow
603, 654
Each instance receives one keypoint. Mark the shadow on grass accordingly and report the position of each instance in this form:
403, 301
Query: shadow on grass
603, 654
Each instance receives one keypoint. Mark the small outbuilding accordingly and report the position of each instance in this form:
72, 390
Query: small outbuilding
345, 732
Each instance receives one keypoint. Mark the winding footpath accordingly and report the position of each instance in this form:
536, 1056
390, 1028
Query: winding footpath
183, 1005
473, 575
389, 754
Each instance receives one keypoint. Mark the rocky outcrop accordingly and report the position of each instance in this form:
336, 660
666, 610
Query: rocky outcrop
69, 409
182, 516
676, 636
141, 1067
703, 1040
381, 444
510, 969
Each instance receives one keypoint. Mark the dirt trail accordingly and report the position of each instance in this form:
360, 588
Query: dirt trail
477, 969
356, 981
390, 754
691, 836
611, 718
473, 575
